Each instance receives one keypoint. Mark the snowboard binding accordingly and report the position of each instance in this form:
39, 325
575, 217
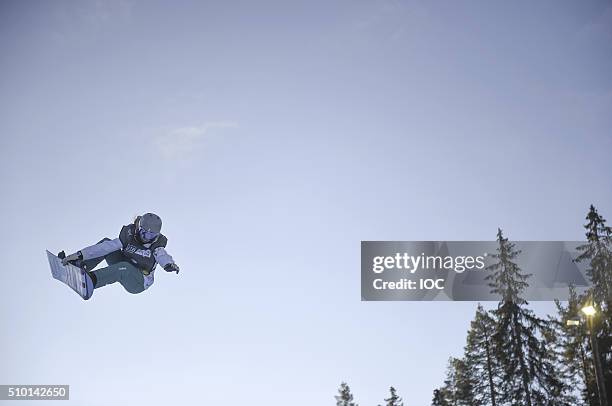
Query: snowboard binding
76, 277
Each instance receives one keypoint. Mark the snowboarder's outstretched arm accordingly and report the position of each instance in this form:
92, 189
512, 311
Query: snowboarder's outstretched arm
100, 249
165, 260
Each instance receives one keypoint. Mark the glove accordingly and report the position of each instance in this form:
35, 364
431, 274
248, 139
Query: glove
171, 268
72, 257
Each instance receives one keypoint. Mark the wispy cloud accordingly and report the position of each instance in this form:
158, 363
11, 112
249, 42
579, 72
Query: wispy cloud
183, 142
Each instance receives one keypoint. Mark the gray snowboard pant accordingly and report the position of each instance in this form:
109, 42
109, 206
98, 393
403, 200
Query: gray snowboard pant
119, 269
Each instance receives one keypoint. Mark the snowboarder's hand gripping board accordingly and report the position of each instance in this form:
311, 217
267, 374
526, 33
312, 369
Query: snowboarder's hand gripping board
76, 278
172, 267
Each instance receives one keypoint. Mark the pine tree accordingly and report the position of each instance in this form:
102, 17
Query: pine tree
598, 252
449, 389
439, 398
394, 400
484, 368
464, 383
560, 394
344, 397
572, 345
458, 388
528, 370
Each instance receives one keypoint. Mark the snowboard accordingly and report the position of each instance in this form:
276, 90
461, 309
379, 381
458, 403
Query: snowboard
76, 278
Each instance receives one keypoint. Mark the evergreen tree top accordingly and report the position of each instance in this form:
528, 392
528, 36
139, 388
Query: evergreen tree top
596, 226
394, 400
507, 279
598, 252
344, 397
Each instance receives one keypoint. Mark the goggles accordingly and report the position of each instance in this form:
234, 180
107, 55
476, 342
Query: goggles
147, 235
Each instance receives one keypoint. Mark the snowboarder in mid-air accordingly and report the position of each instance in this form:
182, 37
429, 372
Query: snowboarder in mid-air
131, 259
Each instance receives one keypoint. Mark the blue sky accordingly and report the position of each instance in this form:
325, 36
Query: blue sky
272, 138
